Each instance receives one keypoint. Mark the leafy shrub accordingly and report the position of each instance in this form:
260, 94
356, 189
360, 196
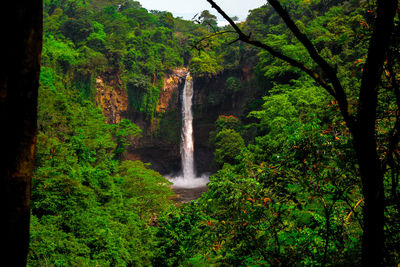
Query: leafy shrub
228, 144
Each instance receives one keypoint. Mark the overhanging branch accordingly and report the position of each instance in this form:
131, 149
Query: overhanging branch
209, 36
295, 63
330, 72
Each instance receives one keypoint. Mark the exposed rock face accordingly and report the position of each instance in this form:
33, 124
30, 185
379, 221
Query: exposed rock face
160, 144
213, 98
112, 97
169, 95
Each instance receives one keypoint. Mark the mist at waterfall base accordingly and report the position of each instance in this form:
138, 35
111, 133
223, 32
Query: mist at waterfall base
188, 179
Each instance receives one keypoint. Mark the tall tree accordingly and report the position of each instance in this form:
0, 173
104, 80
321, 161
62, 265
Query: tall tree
207, 19
19, 81
362, 124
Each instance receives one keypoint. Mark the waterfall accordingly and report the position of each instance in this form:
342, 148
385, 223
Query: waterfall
188, 178
187, 146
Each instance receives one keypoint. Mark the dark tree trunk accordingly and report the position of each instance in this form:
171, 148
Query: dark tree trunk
364, 136
19, 79
373, 210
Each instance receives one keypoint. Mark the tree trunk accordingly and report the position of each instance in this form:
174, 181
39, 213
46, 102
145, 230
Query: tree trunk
19, 81
373, 210
364, 136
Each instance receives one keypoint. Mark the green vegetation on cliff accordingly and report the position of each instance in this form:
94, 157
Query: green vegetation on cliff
90, 38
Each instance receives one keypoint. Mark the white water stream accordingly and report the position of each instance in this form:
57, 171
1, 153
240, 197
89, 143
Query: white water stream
188, 178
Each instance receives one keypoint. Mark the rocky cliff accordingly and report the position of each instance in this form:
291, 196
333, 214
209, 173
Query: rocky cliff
160, 144
228, 93
111, 96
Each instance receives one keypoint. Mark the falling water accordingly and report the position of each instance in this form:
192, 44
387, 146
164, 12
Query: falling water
188, 178
187, 147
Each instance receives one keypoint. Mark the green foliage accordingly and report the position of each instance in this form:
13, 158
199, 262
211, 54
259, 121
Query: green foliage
228, 144
206, 64
142, 95
146, 190
207, 19
227, 122
77, 29
170, 127
61, 56
226, 139
233, 84
180, 234
167, 20
288, 105
125, 132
